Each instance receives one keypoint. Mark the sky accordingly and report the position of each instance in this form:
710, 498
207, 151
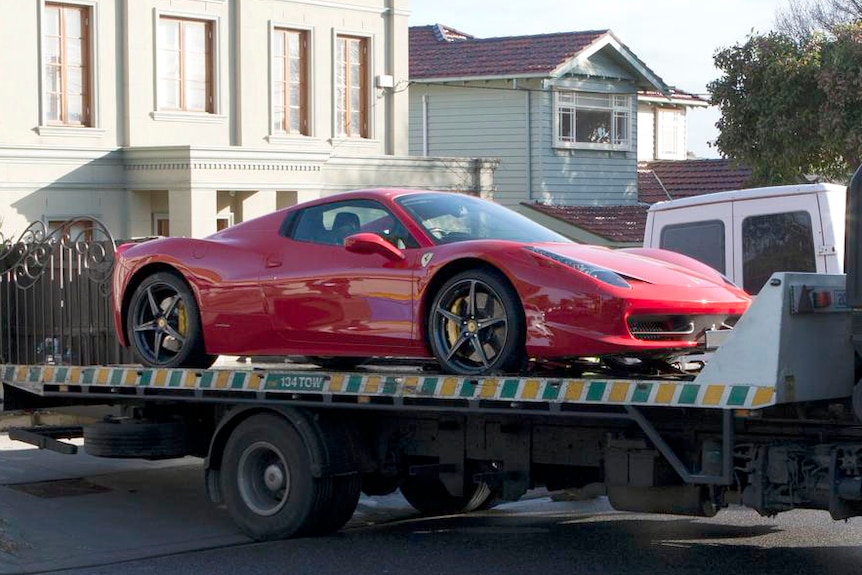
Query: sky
675, 38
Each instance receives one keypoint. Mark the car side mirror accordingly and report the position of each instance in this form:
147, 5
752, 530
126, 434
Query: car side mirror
368, 243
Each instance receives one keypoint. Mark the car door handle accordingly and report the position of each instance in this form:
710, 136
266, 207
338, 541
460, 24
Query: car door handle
273, 263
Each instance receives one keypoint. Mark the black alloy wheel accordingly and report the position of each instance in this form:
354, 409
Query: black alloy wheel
475, 324
164, 324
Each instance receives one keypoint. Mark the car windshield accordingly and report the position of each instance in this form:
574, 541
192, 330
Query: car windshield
457, 218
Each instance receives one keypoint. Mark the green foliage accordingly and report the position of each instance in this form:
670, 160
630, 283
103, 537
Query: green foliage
841, 80
791, 108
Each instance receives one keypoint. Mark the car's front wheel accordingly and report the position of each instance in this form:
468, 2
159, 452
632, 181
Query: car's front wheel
164, 324
475, 324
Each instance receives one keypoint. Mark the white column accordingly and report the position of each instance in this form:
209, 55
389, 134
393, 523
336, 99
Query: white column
193, 212
257, 204
140, 214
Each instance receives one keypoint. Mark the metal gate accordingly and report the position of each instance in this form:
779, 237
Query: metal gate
55, 295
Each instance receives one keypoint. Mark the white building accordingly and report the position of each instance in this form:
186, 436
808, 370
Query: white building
183, 116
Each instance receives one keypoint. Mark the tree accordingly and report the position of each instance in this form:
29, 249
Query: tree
792, 108
841, 80
803, 18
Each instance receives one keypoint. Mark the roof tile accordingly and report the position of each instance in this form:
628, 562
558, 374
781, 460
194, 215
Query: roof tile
615, 223
437, 51
650, 188
684, 178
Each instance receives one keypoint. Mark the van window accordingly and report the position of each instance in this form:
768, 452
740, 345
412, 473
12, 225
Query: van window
776, 243
703, 241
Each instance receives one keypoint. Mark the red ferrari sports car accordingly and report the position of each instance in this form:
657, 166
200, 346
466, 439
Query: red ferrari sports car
405, 273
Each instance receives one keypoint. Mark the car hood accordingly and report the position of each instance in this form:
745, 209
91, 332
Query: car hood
634, 266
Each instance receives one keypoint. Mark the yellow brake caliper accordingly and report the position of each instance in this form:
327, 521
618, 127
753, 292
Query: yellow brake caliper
182, 319
453, 329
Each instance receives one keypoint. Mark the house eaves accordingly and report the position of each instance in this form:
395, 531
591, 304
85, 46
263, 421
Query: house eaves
692, 102
450, 80
646, 78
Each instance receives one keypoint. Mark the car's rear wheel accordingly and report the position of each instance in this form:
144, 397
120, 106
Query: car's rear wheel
164, 324
475, 324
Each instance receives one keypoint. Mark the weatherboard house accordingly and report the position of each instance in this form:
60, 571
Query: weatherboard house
562, 112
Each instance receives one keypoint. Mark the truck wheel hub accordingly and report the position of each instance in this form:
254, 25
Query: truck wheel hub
273, 477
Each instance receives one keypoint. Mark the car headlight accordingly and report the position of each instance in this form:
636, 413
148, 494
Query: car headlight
602, 274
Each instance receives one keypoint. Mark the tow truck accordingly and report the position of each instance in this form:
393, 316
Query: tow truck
772, 421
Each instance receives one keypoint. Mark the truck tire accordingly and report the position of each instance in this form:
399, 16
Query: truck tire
430, 497
267, 482
338, 505
141, 440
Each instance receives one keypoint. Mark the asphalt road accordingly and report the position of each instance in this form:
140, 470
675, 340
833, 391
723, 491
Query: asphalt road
543, 537
80, 515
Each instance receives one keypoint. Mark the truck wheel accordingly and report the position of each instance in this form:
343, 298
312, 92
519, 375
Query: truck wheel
266, 480
136, 440
430, 497
337, 507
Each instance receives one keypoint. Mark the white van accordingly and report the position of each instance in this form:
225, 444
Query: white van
749, 234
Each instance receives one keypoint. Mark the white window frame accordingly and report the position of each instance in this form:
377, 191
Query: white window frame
369, 86
670, 134
182, 115
95, 130
620, 105
275, 136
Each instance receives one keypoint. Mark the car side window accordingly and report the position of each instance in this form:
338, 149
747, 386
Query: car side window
331, 223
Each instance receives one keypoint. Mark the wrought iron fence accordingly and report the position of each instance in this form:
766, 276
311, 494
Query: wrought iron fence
55, 295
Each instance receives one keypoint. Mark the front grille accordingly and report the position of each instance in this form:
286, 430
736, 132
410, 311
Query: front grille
662, 327
678, 327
